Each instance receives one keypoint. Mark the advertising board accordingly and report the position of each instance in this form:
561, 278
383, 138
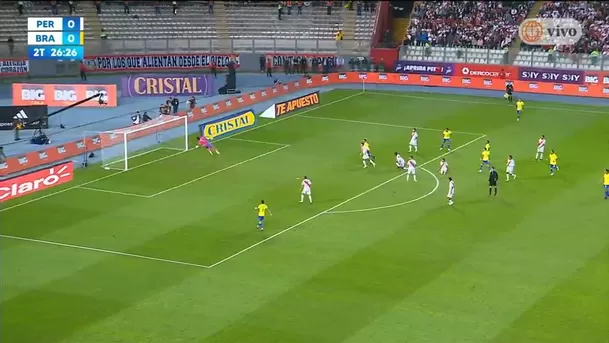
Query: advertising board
154, 62
166, 85
423, 67
36, 181
247, 100
228, 125
485, 70
551, 75
277, 60
61, 95
33, 117
14, 66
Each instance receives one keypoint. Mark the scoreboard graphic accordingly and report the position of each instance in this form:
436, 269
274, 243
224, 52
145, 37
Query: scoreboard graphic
56, 38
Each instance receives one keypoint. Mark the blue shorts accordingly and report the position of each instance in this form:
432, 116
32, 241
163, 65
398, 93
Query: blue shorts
518, 112
261, 218
552, 166
445, 140
486, 162
209, 146
606, 188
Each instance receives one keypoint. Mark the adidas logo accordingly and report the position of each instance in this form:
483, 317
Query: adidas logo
21, 115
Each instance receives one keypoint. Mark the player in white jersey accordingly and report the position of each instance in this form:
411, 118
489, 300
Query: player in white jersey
411, 169
399, 161
366, 156
443, 167
414, 141
451, 191
541, 147
510, 165
306, 190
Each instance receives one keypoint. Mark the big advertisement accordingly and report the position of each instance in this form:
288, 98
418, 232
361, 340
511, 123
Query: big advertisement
14, 66
153, 62
551, 75
33, 117
422, 67
167, 85
61, 95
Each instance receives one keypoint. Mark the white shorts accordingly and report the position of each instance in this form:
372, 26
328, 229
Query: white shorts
365, 157
399, 165
443, 170
450, 194
509, 170
541, 150
414, 143
411, 171
306, 192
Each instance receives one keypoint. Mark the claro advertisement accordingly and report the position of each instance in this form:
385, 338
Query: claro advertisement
61, 95
167, 85
152, 62
36, 181
596, 87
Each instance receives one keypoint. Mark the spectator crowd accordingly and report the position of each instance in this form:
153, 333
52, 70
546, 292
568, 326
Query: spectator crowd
594, 17
479, 24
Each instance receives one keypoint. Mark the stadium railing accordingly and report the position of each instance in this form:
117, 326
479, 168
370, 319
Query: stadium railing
202, 45
525, 58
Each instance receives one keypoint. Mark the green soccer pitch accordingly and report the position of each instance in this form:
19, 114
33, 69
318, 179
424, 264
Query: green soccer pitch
169, 251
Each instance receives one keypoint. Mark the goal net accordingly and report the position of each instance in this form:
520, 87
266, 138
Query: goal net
144, 143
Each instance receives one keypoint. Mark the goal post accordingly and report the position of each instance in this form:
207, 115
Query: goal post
123, 148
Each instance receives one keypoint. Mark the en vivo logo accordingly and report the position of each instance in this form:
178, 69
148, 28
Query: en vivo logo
36, 181
550, 31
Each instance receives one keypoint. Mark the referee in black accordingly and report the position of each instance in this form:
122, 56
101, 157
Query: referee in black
509, 89
493, 177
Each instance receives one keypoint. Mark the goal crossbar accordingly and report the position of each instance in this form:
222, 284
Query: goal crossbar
122, 144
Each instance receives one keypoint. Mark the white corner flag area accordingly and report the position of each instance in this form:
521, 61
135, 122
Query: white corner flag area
269, 113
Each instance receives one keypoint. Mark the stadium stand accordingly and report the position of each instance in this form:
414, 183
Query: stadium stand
313, 30
464, 31
481, 24
192, 21
589, 52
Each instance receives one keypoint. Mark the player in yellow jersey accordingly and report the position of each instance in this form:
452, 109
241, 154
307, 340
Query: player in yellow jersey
519, 108
553, 158
486, 159
367, 147
446, 139
487, 146
262, 208
606, 183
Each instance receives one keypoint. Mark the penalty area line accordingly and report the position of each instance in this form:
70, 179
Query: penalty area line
336, 206
105, 251
176, 154
398, 204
